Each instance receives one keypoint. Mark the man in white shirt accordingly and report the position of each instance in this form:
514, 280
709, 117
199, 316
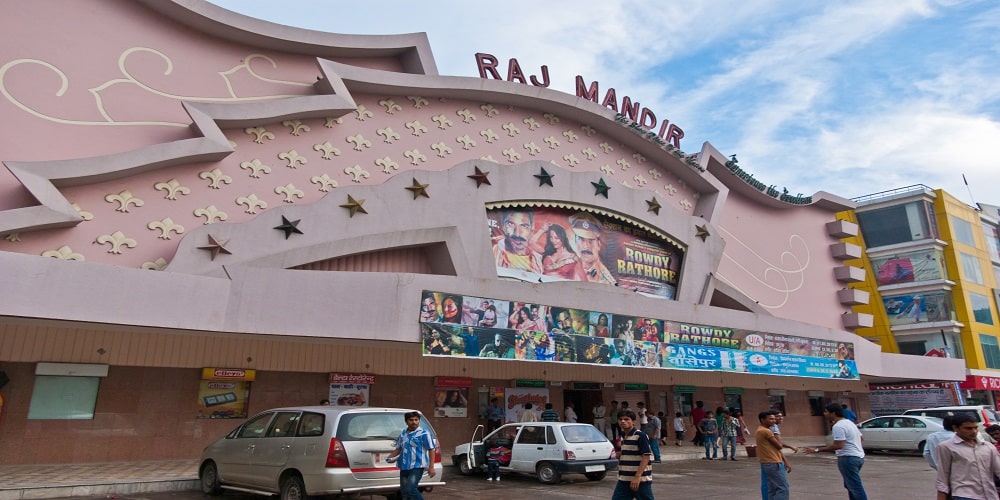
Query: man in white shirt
937, 438
847, 446
570, 413
599, 413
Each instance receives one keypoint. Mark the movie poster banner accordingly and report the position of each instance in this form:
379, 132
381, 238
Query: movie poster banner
927, 307
925, 265
517, 398
539, 332
538, 243
350, 389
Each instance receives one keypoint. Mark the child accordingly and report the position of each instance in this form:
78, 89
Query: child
678, 428
493, 455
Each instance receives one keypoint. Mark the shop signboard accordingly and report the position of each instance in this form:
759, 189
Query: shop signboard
450, 325
636, 387
981, 383
895, 399
350, 389
516, 398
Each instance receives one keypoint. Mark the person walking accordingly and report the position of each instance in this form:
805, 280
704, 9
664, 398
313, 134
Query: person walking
655, 429
930, 446
697, 414
549, 414
774, 468
635, 475
679, 428
847, 446
710, 435
730, 430
414, 452
966, 465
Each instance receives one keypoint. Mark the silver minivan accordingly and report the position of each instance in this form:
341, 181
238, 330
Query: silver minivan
312, 450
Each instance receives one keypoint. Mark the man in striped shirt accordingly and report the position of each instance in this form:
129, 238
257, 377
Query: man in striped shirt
415, 449
635, 476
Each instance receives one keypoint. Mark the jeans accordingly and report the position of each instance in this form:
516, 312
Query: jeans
711, 440
730, 442
624, 492
777, 481
408, 481
493, 469
850, 469
655, 445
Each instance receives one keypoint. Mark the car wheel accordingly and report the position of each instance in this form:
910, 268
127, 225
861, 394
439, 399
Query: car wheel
596, 476
920, 447
293, 489
547, 473
209, 476
464, 466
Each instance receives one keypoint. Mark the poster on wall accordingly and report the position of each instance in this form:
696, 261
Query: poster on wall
541, 243
224, 392
909, 309
541, 332
517, 397
925, 265
451, 396
350, 389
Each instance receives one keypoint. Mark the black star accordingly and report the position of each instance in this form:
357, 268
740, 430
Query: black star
216, 247
653, 206
544, 178
702, 232
354, 205
481, 178
418, 189
289, 226
601, 188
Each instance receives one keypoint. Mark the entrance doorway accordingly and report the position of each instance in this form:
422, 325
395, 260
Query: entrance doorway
583, 404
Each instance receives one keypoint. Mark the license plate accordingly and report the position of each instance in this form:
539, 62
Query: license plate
594, 468
379, 460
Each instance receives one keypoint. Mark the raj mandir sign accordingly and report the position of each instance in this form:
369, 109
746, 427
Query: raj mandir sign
630, 109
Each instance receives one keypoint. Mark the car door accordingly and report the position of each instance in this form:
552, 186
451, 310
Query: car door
233, 457
272, 450
906, 433
530, 447
874, 432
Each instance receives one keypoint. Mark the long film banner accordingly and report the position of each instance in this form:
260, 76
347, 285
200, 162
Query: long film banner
462, 325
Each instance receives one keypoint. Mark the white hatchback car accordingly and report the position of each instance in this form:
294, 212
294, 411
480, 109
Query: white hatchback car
314, 450
548, 449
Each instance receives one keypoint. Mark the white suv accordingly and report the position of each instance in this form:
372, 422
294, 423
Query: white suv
314, 450
984, 414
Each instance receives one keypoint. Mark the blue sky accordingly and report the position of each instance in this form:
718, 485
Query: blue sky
850, 97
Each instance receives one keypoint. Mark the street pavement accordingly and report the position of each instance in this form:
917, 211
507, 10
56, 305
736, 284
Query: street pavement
813, 477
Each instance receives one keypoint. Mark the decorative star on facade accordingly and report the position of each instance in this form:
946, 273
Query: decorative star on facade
702, 232
418, 189
544, 178
653, 206
216, 247
289, 226
354, 206
481, 178
601, 188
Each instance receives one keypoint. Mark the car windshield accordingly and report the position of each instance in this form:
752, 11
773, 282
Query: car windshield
582, 434
374, 426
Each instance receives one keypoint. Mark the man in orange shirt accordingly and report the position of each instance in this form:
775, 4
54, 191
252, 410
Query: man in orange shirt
773, 466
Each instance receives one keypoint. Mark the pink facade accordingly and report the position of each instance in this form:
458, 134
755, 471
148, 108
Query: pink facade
137, 133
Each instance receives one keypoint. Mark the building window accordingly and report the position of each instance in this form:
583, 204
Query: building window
777, 403
971, 269
992, 236
898, 224
816, 406
916, 348
963, 231
991, 351
63, 398
981, 309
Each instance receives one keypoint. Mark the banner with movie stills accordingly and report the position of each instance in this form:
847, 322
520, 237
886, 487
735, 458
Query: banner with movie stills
541, 243
462, 325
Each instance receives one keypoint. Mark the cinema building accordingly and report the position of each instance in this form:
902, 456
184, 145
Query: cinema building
206, 215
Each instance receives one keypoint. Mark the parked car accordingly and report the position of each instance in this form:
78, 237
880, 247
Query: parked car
313, 450
548, 449
984, 414
896, 432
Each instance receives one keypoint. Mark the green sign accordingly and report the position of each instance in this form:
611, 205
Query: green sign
732, 390
636, 387
685, 389
586, 386
529, 383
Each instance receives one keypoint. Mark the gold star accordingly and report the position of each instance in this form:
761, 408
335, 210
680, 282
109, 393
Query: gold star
418, 189
653, 206
702, 232
481, 178
354, 205
216, 247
